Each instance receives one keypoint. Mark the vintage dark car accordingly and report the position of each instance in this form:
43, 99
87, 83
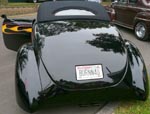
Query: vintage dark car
71, 47
132, 14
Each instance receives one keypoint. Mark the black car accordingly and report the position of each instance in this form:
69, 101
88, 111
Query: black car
72, 47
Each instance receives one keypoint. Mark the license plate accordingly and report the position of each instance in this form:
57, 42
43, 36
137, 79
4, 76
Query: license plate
87, 72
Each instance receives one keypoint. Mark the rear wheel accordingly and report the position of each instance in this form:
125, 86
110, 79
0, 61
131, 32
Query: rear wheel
141, 31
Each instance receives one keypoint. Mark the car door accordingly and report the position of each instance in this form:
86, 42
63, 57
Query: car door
120, 10
132, 9
16, 32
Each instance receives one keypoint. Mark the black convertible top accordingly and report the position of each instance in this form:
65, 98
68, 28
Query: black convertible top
46, 11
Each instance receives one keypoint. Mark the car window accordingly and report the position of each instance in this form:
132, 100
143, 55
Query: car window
122, 1
74, 12
133, 1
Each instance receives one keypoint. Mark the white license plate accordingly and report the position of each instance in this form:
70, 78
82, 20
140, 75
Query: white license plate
88, 72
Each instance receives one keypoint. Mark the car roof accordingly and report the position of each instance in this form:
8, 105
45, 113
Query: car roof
47, 10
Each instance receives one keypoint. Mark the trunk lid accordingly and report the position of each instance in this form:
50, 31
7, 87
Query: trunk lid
67, 44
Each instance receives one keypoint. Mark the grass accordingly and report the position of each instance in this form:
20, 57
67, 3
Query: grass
106, 3
18, 8
134, 107
21, 4
24, 8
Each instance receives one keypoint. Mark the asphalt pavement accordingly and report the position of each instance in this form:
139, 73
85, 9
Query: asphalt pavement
8, 103
143, 46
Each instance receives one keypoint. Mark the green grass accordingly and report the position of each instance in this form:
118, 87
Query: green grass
106, 3
21, 4
14, 5
134, 107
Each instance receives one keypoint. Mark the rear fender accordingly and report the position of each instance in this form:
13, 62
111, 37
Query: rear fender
138, 77
144, 17
27, 80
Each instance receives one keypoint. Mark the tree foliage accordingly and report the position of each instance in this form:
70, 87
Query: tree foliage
3, 2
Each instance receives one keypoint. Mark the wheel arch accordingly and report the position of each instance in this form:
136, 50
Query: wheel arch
141, 17
138, 72
27, 80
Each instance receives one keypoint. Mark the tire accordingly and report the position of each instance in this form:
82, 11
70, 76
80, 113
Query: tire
141, 31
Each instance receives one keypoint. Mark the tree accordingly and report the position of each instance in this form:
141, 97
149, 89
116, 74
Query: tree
3, 2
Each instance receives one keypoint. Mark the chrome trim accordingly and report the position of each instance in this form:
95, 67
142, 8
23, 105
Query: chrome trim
144, 9
140, 30
141, 19
117, 23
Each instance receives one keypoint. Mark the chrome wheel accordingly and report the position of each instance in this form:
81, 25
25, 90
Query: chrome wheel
140, 30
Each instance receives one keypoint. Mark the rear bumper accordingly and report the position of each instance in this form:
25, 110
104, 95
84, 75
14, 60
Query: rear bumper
124, 90
55, 95
121, 91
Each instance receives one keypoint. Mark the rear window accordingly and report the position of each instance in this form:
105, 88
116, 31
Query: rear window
74, 12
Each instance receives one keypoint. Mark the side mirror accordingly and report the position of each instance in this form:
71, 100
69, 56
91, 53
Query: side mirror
4, 16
